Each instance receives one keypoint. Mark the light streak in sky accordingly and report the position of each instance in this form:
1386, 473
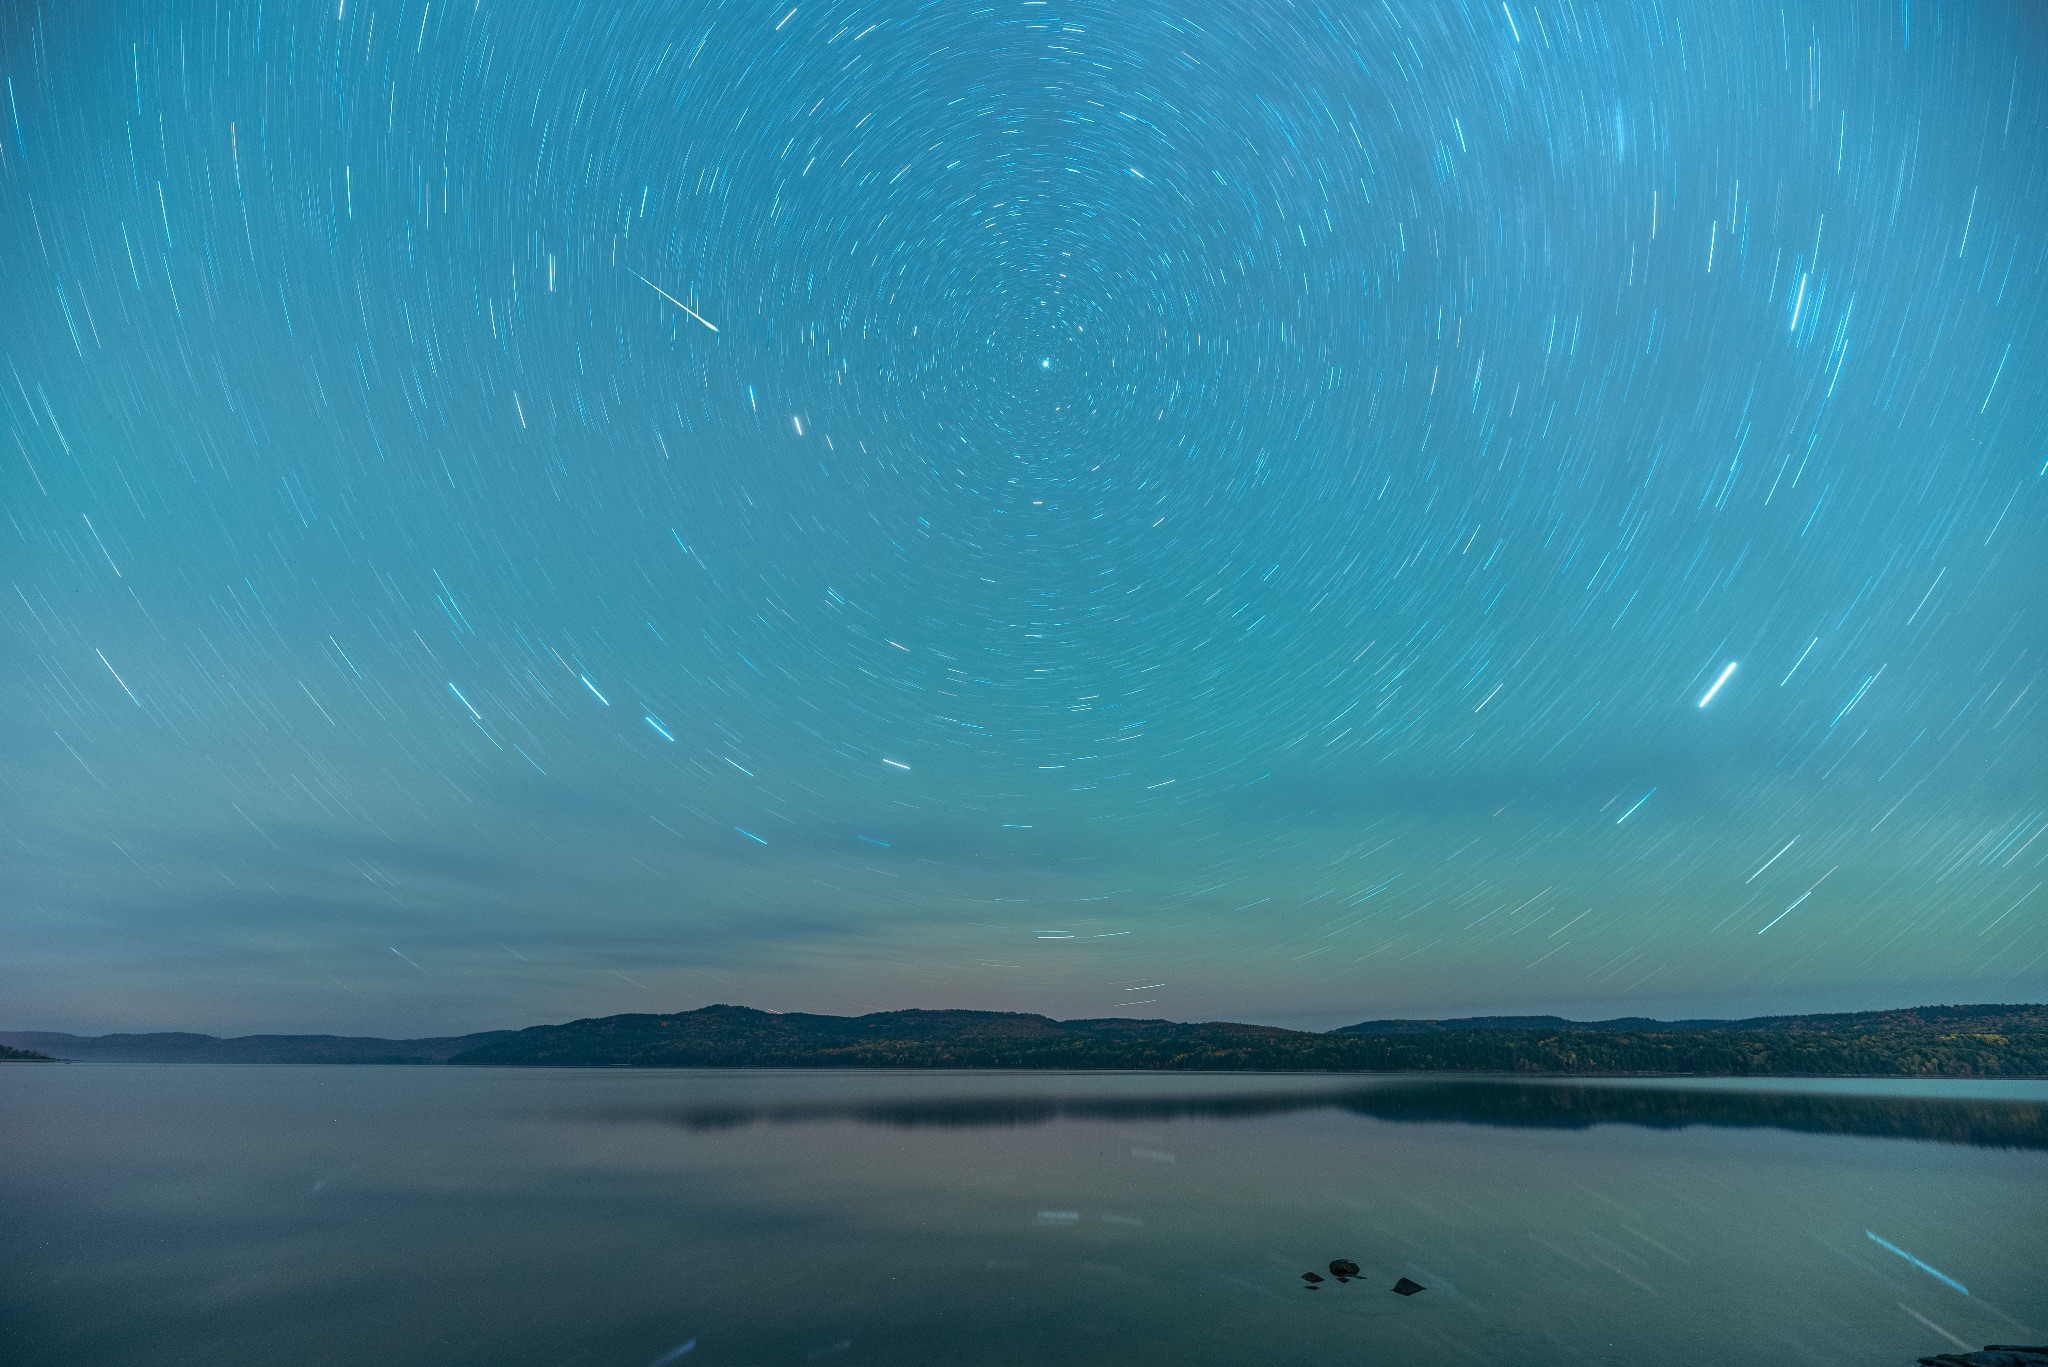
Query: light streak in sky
479, 723
1772, 860
118, 679
1939, 1276
670, 297
2009, 910
1858, 696
2006, 356
102, 545
1798, 662
1801, 898
464, 701
1960, 1343
1152, 559
1708, 696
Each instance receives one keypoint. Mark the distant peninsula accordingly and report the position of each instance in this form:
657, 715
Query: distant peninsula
1988, 1041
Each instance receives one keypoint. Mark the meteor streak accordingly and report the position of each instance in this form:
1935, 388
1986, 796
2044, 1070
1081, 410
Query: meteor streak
1772, 860
472, 712
1938, 1276
1801, 898
670, 297
1708, 696
117, 678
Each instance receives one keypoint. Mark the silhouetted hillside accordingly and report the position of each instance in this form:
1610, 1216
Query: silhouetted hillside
1436, 1027
1973, 1041
180, 1047
1909, 1017
1933, 1041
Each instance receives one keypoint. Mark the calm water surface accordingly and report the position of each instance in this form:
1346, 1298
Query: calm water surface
396, 1216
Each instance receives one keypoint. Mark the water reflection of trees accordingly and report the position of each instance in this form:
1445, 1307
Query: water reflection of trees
1550, 1106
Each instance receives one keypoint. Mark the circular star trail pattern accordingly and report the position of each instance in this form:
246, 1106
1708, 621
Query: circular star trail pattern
1287, 512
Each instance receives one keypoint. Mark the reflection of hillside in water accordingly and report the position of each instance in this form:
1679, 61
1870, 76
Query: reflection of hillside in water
1985, 1124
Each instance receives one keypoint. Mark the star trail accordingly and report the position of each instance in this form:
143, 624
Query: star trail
1288, 512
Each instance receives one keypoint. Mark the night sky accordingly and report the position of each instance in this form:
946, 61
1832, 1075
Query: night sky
1269, 511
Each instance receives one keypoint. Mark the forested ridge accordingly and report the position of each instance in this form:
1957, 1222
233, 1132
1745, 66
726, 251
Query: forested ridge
1933, 1041
1963, 1041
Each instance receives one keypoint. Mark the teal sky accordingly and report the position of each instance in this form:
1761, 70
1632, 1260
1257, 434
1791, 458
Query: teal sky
1287, 514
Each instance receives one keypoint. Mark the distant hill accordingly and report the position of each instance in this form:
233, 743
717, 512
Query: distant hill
189, 1048
741, 1037
1912, 1016
1930, 1041
1434, 1027
1965, 1041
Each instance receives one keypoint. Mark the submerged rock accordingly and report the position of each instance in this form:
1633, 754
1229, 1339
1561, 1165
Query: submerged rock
1404, 1287
1994, 1355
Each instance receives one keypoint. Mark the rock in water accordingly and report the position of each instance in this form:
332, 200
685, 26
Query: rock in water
1343, 1268
1404, 1287
1311, 1278
1994, 1355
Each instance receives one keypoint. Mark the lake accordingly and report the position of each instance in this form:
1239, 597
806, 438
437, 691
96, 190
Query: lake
235, 1216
